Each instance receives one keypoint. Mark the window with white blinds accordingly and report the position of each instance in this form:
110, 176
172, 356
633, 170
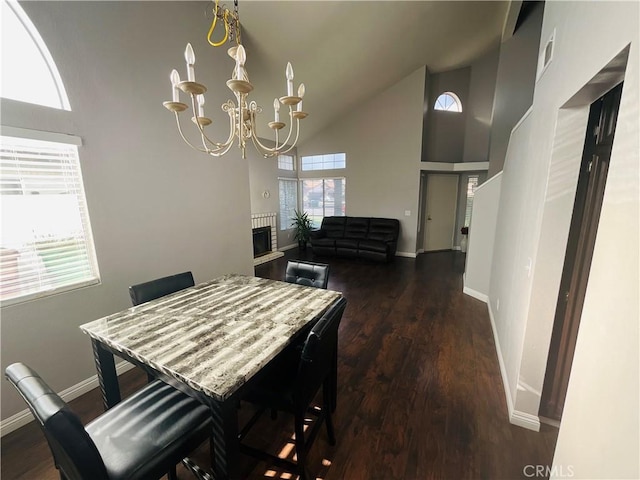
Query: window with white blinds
285, 162
288, 192
472, 184
45, 241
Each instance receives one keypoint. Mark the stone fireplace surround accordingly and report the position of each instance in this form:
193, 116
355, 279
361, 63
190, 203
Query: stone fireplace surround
267, 220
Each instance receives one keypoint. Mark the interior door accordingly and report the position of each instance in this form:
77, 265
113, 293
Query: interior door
603, 116
442, 199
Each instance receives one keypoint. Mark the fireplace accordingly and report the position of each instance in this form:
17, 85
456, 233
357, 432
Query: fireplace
261, 241
261, 223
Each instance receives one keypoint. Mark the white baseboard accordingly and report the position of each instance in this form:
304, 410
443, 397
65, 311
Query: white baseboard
475, 294
516, 417
406, 254
525, 420
23, 417
288, 247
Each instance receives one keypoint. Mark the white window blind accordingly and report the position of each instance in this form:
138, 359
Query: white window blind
45, 242
472, 184
288, 190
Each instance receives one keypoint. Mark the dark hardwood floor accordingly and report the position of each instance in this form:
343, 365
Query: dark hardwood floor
419, 395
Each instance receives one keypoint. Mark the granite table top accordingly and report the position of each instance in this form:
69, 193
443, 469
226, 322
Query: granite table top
216, 335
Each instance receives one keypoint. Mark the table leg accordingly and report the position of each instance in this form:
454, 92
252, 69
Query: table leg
107, 376
226, 447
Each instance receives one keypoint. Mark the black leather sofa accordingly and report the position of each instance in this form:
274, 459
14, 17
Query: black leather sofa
364, 237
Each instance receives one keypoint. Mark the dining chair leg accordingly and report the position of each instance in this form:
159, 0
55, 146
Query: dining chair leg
334, 381
301, 454
172, 473
326, 407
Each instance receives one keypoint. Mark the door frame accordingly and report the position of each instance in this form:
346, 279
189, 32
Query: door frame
426, 208
588, 201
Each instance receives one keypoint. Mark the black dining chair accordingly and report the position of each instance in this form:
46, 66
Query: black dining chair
291, 386
142, 437
310, 274
147, 291
307, 273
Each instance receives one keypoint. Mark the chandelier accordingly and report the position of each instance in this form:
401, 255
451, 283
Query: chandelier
242, 113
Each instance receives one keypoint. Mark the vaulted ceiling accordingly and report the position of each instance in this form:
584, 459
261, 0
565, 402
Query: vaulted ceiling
346, 52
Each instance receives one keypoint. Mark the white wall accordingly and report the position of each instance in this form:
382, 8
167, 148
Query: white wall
382, 140
482, 232
514, 84
156, 206
509, 285
444, 132
599, 434
482, 87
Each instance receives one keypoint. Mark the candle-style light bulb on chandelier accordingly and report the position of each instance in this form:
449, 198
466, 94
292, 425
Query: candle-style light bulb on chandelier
242, 113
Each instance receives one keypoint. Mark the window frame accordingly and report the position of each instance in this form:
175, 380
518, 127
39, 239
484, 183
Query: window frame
469, 199
323, 179
93, 278
456, 101
324, 162
293, 163
62, 99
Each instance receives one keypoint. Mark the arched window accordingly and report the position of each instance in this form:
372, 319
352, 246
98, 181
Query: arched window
448, 102
29, 73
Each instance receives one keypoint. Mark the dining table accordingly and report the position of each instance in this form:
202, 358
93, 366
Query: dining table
209, 341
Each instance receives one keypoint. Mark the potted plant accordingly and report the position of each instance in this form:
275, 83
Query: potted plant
302, 226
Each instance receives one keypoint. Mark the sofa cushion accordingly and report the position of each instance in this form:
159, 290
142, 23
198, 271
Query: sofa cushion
356, 227
351, 243
324, 242
383, 229
334, 226
371, 255
372, 246
346, 252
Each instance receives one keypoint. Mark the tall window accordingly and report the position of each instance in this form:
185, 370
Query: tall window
288, 193
323, 197
45, 242
472, 184
448, 102
330, 161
